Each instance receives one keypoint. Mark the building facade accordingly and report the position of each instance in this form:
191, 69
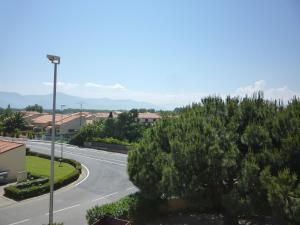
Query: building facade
12, 160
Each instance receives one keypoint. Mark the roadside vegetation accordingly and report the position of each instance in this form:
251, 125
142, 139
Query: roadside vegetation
122, 130
12, 122
38, 166
134, 207
238, 156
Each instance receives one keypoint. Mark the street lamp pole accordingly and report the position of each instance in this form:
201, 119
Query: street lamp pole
55, 60
61, 136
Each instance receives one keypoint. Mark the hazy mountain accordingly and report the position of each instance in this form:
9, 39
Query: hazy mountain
21, 101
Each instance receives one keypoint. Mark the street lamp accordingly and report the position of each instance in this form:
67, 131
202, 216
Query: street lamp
55, 60
61, 136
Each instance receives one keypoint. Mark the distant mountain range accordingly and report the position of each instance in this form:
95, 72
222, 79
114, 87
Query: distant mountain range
21, 101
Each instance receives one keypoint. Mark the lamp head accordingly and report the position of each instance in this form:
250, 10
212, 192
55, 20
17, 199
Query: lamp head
54, 59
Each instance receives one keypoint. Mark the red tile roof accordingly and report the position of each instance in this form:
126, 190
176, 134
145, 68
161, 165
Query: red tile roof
68, 118
8, 145
59, 118
45, 119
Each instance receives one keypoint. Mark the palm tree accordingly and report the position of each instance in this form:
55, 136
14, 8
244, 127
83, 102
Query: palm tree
13, 122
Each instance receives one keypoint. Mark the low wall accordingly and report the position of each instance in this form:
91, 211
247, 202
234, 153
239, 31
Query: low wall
107, 147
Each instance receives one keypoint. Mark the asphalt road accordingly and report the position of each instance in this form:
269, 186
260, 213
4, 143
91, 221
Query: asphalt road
107, 181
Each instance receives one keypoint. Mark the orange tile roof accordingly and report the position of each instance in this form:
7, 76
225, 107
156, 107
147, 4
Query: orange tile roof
59, 118
8, 145
45, 119
68, 118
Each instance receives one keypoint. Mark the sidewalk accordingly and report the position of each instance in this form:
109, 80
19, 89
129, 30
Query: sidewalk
3, 200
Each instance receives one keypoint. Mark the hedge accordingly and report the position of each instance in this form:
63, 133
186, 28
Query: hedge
111, 140
35, 182
134, 207
19, 193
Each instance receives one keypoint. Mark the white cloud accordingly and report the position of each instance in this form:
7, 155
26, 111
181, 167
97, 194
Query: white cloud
61, 84
101, 86
250, 89
118, 91
168, 98
283, 93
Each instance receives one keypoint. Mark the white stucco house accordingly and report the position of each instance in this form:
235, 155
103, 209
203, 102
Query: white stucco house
12, 161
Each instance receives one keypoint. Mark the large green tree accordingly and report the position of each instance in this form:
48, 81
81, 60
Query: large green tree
125, 128
14, 122
231, 154
35, 107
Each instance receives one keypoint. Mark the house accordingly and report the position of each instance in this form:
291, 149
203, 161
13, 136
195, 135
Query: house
41, 122
65, 123
70, 123
30, 115
12, 161
148, 118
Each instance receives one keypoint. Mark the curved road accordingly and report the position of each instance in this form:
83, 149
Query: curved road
107, 181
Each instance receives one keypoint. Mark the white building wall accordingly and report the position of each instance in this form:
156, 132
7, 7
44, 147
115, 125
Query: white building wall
13, 161
71, 125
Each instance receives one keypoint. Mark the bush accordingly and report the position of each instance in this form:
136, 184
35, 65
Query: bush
111, 140
41, 186
112, 130
35, 182
134, 207
20, 194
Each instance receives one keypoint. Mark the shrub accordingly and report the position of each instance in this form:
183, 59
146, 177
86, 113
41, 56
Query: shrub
22, 193
41, 186
134, 207
35, 182
111, 140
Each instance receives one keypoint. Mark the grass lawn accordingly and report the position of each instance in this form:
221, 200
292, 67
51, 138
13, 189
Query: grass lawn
41, 167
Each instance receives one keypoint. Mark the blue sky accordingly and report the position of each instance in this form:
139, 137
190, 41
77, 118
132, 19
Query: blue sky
164, 52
